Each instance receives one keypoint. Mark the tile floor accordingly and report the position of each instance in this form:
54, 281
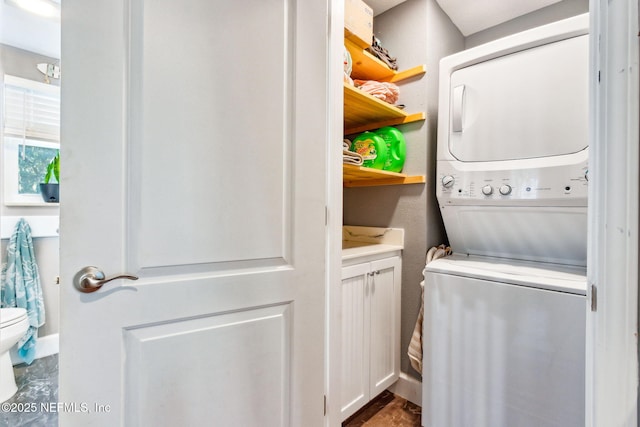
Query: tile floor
37, 387
387, 410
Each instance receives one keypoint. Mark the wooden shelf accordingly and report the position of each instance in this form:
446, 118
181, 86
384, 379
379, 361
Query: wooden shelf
365, 66
365, 112
358, 176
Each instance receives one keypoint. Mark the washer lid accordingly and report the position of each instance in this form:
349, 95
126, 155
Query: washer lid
553, 277
9, 316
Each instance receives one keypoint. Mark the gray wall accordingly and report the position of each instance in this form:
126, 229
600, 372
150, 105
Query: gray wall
552, 13
21, 63
423, 37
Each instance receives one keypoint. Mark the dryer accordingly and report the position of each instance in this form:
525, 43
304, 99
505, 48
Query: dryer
504, 323
513, 145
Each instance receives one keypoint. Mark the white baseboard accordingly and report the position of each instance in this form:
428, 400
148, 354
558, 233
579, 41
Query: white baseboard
45, 346
408, 388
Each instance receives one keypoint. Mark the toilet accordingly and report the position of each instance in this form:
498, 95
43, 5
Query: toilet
13, 325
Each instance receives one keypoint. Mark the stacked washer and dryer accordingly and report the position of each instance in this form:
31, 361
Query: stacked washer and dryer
504, 325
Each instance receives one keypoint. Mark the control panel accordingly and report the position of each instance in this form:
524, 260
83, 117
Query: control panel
563, 184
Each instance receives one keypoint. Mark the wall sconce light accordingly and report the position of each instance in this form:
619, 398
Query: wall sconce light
49, 71
45, 8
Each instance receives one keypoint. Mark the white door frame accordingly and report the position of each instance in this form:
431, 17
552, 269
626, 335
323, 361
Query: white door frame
611, 348
334, 214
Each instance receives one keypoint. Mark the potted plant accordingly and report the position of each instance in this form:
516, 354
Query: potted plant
51, 190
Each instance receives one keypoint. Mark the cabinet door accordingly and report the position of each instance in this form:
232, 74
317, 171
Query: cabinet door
355, 339
384, 300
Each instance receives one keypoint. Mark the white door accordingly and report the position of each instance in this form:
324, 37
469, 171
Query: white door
354, 347
384, 332
370, 346
194, 157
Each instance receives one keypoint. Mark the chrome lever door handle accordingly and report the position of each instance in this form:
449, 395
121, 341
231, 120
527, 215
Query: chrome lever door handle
90, 279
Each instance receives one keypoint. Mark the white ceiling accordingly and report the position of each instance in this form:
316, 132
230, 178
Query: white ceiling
471, 16
380, 6
27, 31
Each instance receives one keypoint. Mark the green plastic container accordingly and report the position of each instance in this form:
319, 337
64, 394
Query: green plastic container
373, 149
396, 147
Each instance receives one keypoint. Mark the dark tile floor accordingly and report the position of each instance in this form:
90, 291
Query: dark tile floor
37, 387
386, 410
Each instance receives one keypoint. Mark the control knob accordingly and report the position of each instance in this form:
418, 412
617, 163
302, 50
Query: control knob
447, 181
505, 189
487, 190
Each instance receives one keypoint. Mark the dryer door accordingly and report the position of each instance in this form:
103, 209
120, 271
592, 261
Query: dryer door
528, 104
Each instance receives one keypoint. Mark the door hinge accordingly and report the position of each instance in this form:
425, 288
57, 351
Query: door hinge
594, 298
325, 404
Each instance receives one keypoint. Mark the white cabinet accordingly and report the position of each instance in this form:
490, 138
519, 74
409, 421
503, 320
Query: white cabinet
370, 329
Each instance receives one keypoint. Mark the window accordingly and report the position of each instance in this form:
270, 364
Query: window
31, 137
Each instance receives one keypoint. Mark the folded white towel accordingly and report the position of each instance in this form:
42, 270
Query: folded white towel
350, 157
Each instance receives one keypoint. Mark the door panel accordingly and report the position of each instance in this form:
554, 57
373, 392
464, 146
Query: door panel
217, 113
355, 338
179, 122
167, 361
385, 324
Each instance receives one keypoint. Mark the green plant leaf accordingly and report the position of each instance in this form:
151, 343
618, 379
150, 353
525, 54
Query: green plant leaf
56, 167
47, 176
53, 169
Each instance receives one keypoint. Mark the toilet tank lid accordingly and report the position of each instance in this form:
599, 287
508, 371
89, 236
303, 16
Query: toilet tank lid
9, 316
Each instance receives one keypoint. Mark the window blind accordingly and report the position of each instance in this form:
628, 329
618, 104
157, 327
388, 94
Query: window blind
32, 109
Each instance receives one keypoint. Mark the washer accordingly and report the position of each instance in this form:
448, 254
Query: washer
504, 343
505, 316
